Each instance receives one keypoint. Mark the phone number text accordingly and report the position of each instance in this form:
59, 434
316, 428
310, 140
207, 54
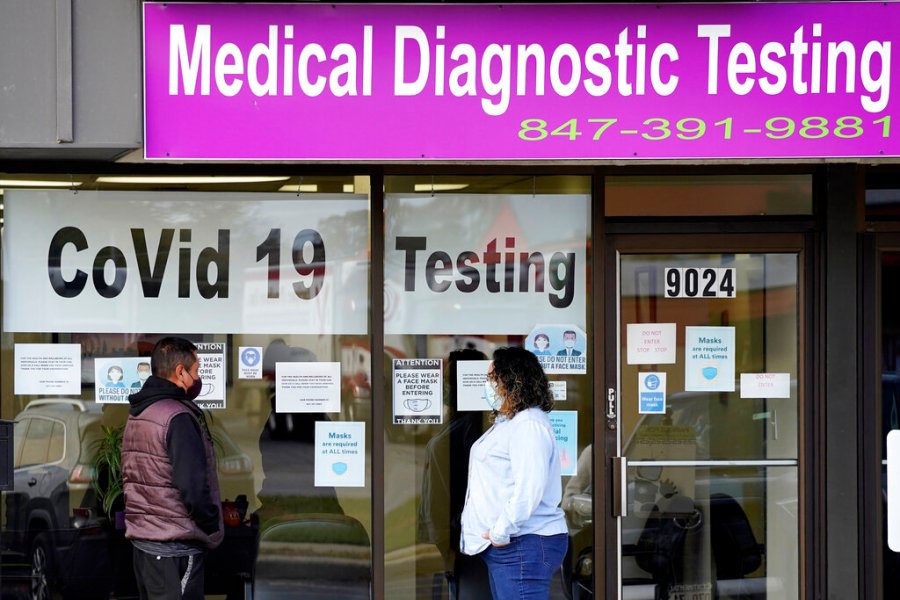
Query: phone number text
693, 128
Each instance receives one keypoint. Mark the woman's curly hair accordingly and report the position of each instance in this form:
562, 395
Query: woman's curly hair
523, 383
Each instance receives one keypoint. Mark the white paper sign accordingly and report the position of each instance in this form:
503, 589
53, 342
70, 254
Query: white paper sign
471, 376
340, 454
418, 391
183, 262
47, 369
308, 387
765, 385
709, 359
651, 343
116, 378
212, 372
475, 264
893, 489
250, 362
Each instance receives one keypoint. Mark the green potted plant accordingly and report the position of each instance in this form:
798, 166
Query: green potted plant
107, 481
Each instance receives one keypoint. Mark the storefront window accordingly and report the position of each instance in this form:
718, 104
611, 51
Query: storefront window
269, 276
473, 264
709, 195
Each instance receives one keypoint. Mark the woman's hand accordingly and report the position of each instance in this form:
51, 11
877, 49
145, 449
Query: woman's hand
487, 536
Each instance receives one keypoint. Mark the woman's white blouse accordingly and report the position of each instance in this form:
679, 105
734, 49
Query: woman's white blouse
514, 482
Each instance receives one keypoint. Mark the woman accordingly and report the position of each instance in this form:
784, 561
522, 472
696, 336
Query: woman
541, 345
512, 517
114, 377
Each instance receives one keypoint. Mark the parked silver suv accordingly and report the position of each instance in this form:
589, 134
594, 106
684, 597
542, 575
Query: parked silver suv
56, 537
50, 524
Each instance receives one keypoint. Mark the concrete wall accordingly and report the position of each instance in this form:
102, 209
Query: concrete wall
70, 78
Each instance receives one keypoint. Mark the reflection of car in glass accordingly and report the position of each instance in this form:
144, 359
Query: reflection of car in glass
54, 528
299, 553
48, 519
356, 389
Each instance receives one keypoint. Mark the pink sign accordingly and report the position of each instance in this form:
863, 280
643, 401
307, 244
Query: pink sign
517, 82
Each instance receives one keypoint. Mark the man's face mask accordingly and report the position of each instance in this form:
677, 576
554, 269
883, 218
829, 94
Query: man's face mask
194, 389
143, 375
570, 343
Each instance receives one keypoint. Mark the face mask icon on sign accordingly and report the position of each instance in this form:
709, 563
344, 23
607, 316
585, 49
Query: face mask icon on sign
339, 468
417, 404
709, 373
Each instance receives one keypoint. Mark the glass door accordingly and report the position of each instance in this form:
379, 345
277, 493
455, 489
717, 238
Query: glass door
707, 378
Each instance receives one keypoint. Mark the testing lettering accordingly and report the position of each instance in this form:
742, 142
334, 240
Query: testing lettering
507, 271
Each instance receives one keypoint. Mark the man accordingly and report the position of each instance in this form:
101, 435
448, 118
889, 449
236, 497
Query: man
172, 506
569, 344
143, 373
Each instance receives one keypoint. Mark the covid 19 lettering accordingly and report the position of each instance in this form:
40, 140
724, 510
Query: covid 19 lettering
70, 253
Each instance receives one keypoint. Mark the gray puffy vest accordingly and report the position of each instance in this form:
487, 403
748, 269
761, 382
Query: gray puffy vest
154, 509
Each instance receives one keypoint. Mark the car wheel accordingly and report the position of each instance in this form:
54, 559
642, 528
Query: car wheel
42, 568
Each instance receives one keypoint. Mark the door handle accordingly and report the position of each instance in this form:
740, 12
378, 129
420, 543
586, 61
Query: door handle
619, 486
32, 482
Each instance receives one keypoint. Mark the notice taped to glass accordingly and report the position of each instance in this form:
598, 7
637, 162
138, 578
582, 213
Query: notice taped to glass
212, 372
47, 369
418, 388
307, 387
690, 591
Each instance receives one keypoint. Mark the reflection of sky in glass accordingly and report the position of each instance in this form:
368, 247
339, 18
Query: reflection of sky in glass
475, 217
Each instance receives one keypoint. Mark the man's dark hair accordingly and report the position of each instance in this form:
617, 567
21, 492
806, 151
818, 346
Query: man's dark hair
168, 353
523, 381
569, 332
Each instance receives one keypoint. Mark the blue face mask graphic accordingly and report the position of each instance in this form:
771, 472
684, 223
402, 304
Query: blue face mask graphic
491, 396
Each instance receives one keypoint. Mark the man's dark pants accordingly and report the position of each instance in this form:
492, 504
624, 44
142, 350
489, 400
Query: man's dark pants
169, 577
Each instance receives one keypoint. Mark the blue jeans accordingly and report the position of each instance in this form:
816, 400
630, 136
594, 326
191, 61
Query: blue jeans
523, 568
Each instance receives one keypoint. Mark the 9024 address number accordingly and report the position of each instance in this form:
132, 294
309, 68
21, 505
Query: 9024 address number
699, 282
